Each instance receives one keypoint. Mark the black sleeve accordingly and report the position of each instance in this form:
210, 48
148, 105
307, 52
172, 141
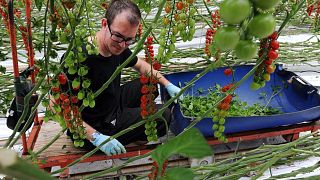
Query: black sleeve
126, 53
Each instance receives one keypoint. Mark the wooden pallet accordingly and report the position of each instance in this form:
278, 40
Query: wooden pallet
63, 146
62, 152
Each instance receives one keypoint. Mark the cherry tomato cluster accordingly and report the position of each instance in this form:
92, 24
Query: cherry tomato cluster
313, 6
78, 87
148, 51
155, 168
313, 11
269, 46
177, 20
66, 110
220, 113
215, 17
209, 35
148, 89
184, 20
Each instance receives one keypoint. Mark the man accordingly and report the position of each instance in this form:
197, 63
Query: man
118, 107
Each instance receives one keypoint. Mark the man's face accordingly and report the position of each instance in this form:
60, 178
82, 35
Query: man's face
119, 34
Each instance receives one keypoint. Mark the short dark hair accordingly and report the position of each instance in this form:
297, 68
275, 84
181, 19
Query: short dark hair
117, 6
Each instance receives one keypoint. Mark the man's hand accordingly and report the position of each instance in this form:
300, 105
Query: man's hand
173, 90
112, 147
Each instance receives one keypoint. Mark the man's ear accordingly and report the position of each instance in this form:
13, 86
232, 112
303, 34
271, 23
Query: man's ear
104, 23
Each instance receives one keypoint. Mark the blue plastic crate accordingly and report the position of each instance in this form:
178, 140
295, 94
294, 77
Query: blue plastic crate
299, 100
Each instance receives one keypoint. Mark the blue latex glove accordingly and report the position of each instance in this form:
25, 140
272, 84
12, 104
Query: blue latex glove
112, 147
173, 90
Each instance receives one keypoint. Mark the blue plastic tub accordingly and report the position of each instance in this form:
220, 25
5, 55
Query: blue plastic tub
299, 100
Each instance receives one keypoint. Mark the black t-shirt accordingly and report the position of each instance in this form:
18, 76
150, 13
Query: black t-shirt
107, 103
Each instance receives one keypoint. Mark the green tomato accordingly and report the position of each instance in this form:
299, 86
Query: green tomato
81, 94
162, 42
75, 136
246, 49
91, 15
92, 103
163, 32
266, 76
153, 124
265, 4
223, 113
173, 39
261, 26
86, 83
216, 119
227, 38
175, 30
190, 36
76, 143
147, 126
192, 11
223, 139
86, 102
217, 134
160, 51
235, 11
171, 47
181, 26
81, 144
192, 22
75, 83
221, 129
72, 70
147, 132
255, 86
183, 16
262, 84
150, 138
184, 35
45, 103
222, 121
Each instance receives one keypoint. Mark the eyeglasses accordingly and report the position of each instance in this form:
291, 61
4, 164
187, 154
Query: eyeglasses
119, 38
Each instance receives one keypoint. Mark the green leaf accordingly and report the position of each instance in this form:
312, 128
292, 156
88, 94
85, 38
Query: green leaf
39, 4
179, 173
197, 148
